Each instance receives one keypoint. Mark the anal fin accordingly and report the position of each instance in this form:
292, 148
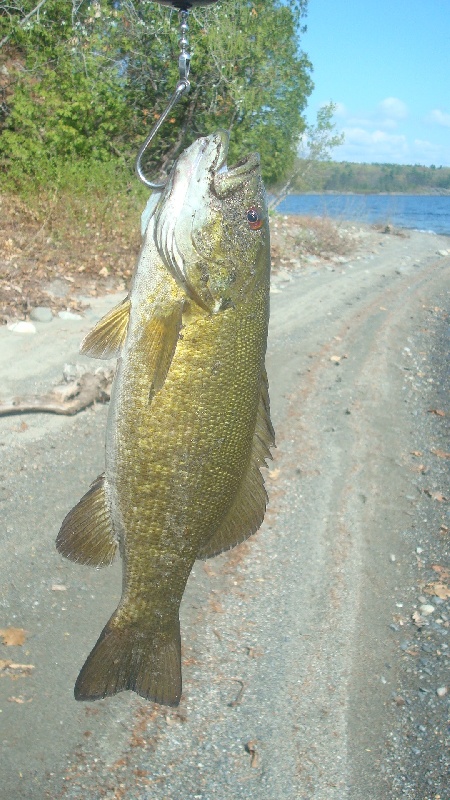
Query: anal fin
247, 512
86, 535
106, 338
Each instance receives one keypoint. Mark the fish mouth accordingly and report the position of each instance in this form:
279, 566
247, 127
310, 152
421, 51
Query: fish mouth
226, 178
200, 170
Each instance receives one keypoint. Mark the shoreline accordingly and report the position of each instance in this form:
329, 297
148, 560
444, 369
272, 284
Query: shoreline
443, 193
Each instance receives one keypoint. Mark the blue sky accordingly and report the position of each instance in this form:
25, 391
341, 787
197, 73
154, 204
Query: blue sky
386, 64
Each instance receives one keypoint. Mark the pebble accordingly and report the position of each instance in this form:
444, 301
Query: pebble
41, 314
443, 252
283, 275
426, 610
21, 327
69, 315
442, 691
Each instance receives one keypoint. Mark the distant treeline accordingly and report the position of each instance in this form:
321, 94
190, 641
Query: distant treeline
344, 176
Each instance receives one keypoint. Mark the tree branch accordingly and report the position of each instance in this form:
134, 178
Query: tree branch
24, 21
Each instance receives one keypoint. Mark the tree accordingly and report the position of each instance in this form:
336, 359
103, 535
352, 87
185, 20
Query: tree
87, 80
315, 146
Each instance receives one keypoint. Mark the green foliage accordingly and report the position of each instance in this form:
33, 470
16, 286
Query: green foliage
316, 145
85, 81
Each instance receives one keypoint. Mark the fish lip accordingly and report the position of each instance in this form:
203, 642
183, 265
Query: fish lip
226, 178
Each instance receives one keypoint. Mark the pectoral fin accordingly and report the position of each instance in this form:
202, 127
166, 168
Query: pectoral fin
247, 512
108, 335
161, 336
86, 535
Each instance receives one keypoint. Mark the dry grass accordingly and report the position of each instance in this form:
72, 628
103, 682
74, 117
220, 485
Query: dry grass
295, 238
87, 245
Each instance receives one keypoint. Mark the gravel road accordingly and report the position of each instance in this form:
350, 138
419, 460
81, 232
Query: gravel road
313, 666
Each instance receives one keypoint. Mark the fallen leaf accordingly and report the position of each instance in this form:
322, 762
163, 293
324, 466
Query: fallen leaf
443, 572
217, 607
420, 468
417, 619
13, 636
9, 668
19, 700
251, 748
436, 411
441, 453
436, 495
274, 474
438, 589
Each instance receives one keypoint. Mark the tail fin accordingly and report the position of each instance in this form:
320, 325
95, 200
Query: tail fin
146, 662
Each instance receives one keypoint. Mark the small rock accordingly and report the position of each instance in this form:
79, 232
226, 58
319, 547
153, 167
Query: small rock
443, 252
442, 691
419, 550
41, 314
392, 558
69, 315
426, 610
283, 275
21, 327
73, 371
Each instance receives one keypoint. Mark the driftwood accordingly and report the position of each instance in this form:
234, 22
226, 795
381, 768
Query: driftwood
68, 398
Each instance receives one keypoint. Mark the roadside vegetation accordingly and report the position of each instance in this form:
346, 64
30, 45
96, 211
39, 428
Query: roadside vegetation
83, 82
80, 86
344, 176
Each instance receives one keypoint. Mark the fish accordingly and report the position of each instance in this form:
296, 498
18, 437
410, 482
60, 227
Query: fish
189, 423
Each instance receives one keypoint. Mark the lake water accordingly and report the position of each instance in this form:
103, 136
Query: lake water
421, 212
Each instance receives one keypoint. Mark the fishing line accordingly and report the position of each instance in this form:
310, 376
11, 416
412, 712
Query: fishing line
183, 86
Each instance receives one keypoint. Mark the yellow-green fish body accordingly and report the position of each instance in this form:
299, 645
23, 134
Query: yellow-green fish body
189, 425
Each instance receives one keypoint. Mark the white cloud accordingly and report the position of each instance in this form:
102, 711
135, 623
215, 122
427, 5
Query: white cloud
393, 108
388, 132
439, 117
340, 110
372, 145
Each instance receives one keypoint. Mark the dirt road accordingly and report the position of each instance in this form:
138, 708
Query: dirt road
314, 668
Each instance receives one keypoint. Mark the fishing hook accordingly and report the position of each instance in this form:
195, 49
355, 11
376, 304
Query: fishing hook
182, 87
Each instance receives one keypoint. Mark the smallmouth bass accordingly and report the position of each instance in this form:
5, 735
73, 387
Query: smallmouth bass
189, 424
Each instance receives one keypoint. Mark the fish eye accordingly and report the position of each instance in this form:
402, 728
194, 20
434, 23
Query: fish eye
254, 218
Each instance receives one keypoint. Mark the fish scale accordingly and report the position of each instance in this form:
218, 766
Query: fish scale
189, 425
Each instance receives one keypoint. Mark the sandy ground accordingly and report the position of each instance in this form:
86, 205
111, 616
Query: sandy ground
313, 667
